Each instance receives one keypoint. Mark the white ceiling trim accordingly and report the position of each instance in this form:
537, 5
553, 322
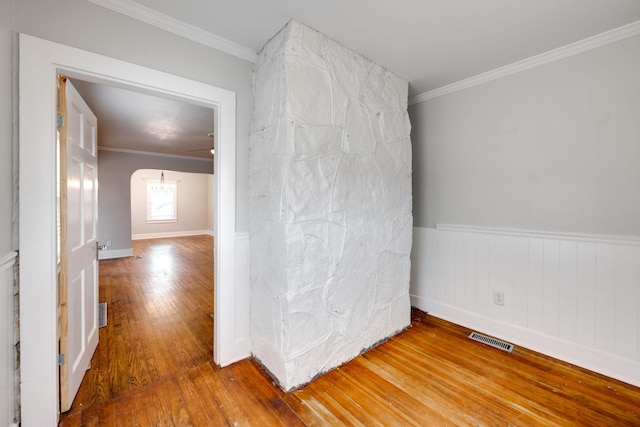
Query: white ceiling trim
599, 40
142, 13
149, 153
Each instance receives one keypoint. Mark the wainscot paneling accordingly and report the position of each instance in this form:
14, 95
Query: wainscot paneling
571, 296
8, 340
242, 296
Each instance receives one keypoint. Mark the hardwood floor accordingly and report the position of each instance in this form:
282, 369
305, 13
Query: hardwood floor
159, 317
153, 367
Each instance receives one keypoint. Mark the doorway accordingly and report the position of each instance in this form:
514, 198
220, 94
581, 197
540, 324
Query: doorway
40, 62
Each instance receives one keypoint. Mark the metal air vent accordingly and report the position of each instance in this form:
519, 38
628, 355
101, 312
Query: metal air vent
102, 314
502, 345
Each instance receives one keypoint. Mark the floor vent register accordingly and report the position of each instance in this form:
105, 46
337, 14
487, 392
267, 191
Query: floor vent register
502, 345
102, 314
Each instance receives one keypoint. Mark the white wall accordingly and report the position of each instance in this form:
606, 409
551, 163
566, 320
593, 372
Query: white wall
541, 169
194, 213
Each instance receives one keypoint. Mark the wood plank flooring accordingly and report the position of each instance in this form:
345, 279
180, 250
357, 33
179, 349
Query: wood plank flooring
153, 367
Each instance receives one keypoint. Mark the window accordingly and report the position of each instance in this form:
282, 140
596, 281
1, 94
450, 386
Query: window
162, 201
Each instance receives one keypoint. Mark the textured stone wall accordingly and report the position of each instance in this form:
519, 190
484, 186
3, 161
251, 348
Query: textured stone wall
330, 205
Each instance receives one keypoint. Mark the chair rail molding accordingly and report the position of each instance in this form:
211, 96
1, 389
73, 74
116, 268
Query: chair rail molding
578, 237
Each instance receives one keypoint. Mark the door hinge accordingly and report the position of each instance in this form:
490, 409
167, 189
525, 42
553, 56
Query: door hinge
60, 121
60, 359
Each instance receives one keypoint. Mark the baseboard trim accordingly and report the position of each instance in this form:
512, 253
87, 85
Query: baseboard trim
115, 253
170, 234
603, 363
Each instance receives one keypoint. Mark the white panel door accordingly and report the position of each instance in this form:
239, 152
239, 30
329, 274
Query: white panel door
78, 249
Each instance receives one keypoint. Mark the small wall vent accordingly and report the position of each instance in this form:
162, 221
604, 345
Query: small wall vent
102, 314
502, 345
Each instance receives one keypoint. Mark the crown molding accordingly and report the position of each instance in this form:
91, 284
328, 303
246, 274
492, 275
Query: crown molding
599, 40
145, 14
149, 153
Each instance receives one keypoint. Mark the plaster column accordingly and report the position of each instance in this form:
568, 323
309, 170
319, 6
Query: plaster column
330, 205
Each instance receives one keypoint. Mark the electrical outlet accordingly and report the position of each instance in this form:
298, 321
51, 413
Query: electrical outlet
498, 298
108, 244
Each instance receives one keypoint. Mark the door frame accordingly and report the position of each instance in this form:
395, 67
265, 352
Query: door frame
40, 63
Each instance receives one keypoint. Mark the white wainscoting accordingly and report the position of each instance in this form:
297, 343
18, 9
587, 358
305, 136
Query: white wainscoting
572, 296
242, 297
8, 340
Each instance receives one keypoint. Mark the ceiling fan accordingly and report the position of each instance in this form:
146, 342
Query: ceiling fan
211, 149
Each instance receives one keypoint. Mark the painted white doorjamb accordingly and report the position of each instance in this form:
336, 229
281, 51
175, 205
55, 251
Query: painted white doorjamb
40, 62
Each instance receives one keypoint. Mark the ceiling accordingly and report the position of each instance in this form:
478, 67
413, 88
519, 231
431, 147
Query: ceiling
429, 43
136, 121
